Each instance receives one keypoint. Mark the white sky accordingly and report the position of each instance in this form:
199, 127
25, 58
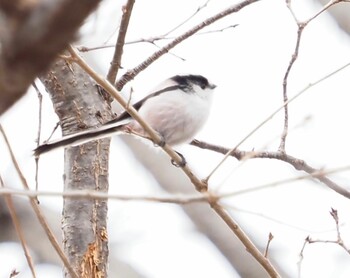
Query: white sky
247, 63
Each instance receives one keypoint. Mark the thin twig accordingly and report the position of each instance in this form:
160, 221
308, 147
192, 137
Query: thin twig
93, 194
53, 131
282, 146
38, 211
308, 240
301, 256
187, 19
40, 100
130, 74
18, 228
340, 241
118, 52
151, 40
324, 8
268, 245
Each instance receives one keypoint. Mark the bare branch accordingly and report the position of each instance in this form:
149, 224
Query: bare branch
282, 147
118, 52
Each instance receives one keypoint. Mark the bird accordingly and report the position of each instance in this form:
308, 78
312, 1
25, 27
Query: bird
177, 110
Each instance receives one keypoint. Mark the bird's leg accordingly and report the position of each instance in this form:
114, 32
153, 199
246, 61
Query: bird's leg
182, 163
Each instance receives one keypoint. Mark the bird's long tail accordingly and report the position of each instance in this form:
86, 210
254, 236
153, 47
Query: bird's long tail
78, 138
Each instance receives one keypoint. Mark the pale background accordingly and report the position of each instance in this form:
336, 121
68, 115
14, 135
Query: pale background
248, 64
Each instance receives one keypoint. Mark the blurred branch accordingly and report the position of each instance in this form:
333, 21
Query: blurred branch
181, 199
31, 36
340, 13
130, 74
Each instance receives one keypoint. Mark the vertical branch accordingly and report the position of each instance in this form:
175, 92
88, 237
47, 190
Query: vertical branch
301, 27
40, 99
282, 147
118, 52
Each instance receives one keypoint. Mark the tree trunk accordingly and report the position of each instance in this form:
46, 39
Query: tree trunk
79, 106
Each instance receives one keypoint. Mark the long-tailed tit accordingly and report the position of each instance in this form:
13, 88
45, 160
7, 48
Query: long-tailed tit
177, 112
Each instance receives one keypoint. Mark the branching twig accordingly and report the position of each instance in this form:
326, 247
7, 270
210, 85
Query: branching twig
130, 74
38, 211
301, 27
339, 241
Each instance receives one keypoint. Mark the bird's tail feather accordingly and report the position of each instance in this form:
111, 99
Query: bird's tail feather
78, 138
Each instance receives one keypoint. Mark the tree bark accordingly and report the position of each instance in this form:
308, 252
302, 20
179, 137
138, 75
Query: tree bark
79, 105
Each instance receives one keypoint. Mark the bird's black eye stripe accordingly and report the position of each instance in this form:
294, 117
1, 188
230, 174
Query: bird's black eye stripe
186, 81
